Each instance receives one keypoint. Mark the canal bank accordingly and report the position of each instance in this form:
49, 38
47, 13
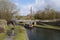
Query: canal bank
47, 26
20, 33
43, 32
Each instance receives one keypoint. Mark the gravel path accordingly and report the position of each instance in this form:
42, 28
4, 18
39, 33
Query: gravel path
9, 38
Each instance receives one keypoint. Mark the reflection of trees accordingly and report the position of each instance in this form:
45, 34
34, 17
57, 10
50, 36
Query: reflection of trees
44, 34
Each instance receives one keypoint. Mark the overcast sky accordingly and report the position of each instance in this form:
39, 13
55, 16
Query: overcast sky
24, 5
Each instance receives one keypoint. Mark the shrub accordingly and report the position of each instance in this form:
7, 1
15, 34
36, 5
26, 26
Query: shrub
1, 30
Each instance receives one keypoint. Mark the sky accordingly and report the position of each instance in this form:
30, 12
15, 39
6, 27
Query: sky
25, 5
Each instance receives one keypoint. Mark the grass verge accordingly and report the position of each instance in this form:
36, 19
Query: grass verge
2, 36
20, 33
48, 26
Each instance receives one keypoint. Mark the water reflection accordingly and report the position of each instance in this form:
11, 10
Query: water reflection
43, 34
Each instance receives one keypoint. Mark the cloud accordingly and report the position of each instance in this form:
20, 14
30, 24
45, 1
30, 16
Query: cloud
39, 4
16, 3
56, 2
25, 10
15, 0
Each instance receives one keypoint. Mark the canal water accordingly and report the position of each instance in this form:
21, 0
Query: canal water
43, 34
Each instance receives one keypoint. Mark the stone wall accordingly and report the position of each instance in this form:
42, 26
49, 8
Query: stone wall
3, 23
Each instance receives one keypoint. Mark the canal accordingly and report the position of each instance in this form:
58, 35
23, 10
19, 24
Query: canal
43, 34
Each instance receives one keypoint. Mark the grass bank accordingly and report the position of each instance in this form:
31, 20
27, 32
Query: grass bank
48, 26
20, 33
2, 36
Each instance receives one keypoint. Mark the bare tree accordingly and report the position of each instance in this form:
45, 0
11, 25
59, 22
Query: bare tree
7, 9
